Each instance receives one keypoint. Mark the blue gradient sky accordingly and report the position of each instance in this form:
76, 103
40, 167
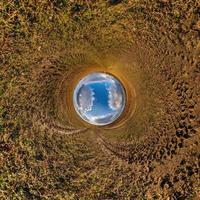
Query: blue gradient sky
103, 109
100, 104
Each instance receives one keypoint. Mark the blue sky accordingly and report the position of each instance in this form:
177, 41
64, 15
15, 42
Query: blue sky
100, 104
93, 92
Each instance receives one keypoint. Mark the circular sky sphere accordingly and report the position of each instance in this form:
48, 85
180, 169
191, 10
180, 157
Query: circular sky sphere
99, 98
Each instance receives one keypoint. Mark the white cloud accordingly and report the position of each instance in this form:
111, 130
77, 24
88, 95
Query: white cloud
115, 98
86, 99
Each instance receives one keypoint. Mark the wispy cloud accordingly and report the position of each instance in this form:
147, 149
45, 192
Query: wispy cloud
86, 99
115, 98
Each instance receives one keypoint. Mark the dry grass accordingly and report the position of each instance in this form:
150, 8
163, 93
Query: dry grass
155, 155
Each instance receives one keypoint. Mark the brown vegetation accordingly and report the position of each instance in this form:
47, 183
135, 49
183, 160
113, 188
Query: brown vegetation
154, 45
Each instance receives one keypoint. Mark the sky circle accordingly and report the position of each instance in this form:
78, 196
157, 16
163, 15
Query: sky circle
99, 98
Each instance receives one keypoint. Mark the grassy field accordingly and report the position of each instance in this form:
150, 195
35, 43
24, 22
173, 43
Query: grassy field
46, 152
